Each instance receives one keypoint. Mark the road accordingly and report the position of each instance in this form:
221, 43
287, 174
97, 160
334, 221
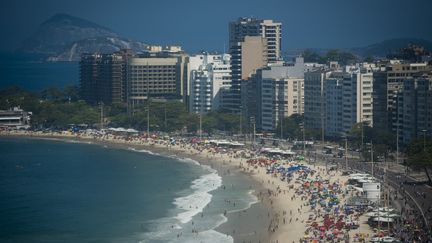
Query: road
419, 193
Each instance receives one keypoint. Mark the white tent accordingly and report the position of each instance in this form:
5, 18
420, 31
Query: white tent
383, 219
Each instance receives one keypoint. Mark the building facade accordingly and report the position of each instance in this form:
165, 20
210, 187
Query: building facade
397, 72
357, 99
103, 77
380, 112
333, 90
210, 82
336, 99
314, 103
252, 44
15, 118
414, 108
156, 77
273, 93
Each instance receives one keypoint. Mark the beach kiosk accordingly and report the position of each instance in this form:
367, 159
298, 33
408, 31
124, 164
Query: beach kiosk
372, 191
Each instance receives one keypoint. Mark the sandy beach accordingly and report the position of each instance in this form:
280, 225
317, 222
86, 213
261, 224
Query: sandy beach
281, 215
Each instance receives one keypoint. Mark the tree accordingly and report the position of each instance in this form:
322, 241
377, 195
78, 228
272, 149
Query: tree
383, 141
342, 58
71, 93
228, 122
311, 56
209, 123
17, 97
52, 94
291, 127
419, 153
369, 59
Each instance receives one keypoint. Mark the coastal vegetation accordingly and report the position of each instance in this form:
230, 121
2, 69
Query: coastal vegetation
419, 154
58, 109
292, 128
342, 57
361, 136
53, 108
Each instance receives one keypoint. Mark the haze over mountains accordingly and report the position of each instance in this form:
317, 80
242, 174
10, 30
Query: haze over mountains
64, 38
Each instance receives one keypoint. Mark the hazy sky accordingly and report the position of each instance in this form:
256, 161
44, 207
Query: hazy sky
203, 24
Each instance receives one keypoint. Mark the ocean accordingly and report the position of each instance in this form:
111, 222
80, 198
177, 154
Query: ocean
67, 191
36, 76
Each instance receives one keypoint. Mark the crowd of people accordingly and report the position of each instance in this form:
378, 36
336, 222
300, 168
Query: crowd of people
322, 194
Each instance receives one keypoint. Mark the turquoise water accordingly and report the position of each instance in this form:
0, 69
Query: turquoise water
72, 192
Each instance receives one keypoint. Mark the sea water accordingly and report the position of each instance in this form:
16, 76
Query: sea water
36, 76
56, 191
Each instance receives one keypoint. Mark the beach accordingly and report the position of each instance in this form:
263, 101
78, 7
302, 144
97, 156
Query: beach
282, 212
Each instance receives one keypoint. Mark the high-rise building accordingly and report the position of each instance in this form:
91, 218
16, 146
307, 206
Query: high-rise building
249, 56
156, 77
314, 103
252, 44
357, 98
414, 108
268, 29
397, 73
209, 83
333, 90
103, 77
380, 112
274, 92
337, 99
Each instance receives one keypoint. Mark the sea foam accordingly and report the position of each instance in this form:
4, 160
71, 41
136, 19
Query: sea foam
195, 202
142, 151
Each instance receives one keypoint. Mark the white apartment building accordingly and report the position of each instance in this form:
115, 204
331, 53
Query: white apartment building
337, 99
209, 82
358, 97
275, 92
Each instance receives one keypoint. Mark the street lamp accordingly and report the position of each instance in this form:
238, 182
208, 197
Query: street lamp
302, 127
200, 122
252, 119
346, 153
101, 104
165, 117
148, 117
304, 139
397, 143
148, 102
281, 117
424, 139
241, 114
372, 160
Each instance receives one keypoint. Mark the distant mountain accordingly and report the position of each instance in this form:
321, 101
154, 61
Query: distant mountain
382, 49
64, 38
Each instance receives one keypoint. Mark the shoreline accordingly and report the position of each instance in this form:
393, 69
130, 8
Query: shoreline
254, 213
282, 212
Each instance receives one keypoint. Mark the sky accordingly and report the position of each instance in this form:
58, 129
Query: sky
203, 24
